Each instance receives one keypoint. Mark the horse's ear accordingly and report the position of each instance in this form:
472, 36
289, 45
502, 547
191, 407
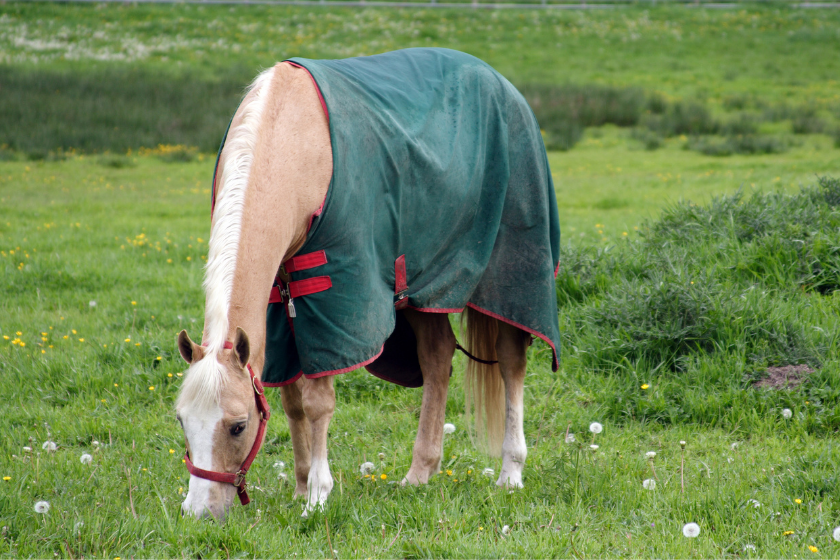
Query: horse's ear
241, 347
190, 351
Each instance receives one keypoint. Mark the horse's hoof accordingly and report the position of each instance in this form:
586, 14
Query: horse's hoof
510, 481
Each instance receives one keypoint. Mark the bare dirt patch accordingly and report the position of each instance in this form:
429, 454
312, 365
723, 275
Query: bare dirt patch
784, 377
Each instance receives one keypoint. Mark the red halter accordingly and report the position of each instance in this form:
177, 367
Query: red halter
238, 478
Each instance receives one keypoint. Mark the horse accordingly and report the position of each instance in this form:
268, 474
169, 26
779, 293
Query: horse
414, 126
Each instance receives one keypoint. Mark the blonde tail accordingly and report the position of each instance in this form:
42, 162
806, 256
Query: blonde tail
484, 389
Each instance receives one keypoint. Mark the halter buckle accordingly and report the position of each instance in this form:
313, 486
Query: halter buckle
240, 478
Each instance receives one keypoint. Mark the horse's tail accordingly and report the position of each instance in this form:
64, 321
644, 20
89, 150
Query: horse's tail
484, 388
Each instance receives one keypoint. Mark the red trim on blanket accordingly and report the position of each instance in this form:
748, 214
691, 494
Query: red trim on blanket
305, 262
300, 288
283, 383
522, 327
275, 296
347, 369
321, 97
400, 284
557, 269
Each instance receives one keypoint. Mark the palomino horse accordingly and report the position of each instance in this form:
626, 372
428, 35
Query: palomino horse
417, 125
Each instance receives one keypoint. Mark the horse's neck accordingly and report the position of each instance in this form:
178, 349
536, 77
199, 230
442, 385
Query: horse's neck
289, 176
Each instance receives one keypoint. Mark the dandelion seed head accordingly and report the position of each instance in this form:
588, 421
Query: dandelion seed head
649, 484
787, 413
488, 472
86, 458
570, 438
366, 467
92, 303
279, 465
593, 447
596, 427
749, 548
381, 456
95, 443
49, 446
650, 455
506, 529
449, 428
836, 534
27, 449
691, 530
282, 476
42, 507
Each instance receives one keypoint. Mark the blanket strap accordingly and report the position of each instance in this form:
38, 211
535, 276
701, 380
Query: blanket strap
400, 283
473, 358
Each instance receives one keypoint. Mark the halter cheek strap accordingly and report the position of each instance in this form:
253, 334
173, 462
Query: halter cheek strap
238, 478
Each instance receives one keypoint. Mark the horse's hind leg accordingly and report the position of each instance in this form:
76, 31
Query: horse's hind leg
511, 346
301, 436
435, 347
319, 405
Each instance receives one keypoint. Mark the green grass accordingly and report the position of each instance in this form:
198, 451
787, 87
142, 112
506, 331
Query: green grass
86, 230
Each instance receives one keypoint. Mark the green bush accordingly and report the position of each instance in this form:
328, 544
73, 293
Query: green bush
745, 145
683, 117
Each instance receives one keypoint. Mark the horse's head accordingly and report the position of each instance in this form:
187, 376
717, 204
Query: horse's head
220, 418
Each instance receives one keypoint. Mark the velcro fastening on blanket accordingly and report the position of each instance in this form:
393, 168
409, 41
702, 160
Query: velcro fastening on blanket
400, 283
300, 288
305, 262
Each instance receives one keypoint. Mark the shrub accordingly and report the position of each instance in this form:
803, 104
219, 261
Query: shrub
745, 145
684, 117
649, 139
742, 124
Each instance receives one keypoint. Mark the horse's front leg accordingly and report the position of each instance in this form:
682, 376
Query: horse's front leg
318, 405
435, 347
511, 347
301, 435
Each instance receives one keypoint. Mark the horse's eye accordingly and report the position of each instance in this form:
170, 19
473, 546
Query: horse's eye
238, 429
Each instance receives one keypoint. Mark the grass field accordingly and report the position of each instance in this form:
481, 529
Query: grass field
665, 329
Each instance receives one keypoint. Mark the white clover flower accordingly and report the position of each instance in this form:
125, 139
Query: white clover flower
649, 484
95, 443
787, 413
366, 467
92, 304
42, 507
596, 427
27, 449
733, 446
282, 476
449, 428
836, 534
488, 472
86, 458
49, 446
506, 529
691, 530
279, 465
650, 455
749, 548
754, 503
593, 447
570, 438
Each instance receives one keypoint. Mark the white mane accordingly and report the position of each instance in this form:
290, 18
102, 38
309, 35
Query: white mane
206, 377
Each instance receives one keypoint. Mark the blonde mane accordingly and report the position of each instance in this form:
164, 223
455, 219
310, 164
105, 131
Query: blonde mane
205, 378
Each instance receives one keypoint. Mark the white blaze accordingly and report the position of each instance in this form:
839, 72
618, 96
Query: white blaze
199, 429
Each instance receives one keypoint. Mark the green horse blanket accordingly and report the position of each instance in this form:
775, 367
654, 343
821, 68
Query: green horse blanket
441, 198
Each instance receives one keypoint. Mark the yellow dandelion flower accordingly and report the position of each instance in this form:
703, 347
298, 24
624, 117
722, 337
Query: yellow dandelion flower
168, 375
158, 358
73, 331
383, 476
798, 501
103, 401
81, 340
151, 387
133, 303
43, 351
116, 384
180, 374
787, 533
19, 333
7, 478
5, 337
449, 472
189, 258
813, 548
22, 344
66, 337
136, 344
171, 451
480, 528
180, 490
645, 386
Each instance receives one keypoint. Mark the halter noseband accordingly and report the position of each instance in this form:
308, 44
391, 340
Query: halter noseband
238, 478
